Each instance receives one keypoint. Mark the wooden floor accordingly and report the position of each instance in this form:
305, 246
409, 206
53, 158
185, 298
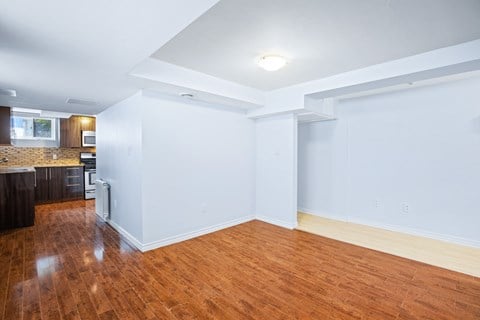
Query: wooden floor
438, 253
70, 266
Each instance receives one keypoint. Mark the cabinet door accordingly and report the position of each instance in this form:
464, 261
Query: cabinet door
57, 183
73, 183
6, 218
87, 123
70, 133
22, 202
5, 126
42, 185
64, 129
16, 200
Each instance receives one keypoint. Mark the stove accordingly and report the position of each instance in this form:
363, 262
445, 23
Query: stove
89, 159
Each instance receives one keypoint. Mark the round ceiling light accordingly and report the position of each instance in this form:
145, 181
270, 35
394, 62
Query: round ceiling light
271, 62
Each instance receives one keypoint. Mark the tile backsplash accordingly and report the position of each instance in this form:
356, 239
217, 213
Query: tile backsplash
23, 156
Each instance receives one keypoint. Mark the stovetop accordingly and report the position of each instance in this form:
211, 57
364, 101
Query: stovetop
89, 159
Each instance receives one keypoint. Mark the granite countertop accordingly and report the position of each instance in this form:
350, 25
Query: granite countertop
31, 168
59, 165
7, 170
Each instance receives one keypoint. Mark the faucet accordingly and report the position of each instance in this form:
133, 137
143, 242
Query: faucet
3, 160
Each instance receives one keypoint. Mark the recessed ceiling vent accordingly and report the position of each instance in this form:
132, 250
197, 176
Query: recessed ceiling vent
8, 92
82, 102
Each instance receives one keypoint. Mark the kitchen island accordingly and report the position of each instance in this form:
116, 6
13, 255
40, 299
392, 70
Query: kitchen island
17, 197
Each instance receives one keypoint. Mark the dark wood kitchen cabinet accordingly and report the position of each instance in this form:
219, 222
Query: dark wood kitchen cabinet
56, 184
71, 130
42, 187
17, 208
5, 126
74, 186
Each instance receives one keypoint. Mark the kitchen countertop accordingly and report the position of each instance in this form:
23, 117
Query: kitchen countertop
31, 168
59, 165
8, 170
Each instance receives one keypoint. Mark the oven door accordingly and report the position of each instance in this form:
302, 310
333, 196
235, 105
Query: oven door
90, 177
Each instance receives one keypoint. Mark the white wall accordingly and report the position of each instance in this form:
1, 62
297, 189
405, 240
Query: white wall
198, 168
418, 147
276, 170
177, 168
119, 162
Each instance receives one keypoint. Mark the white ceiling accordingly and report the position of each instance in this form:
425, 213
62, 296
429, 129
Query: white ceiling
51, 50
320, 37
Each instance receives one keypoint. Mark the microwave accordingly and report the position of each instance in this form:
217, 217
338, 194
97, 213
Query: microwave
88, 138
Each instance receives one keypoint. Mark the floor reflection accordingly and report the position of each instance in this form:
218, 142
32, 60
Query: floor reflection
98, 252
47, 265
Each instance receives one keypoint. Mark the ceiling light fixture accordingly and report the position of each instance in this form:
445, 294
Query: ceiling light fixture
271, 62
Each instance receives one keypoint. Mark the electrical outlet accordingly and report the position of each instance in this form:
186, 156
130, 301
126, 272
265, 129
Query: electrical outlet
405, 208
55, 157
377, 203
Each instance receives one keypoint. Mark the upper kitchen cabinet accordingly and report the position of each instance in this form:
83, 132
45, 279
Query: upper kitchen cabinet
5, 126
71, 130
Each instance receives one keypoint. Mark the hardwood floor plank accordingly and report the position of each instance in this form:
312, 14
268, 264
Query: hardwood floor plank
14, 295
6, 246
66, 302
109, 315
96, 292
72, 266
31, 301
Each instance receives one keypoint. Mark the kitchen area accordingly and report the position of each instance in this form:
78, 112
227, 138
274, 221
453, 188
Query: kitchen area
44, 158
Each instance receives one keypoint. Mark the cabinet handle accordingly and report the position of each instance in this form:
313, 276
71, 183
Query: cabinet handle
50, 172
35, 177
73, 185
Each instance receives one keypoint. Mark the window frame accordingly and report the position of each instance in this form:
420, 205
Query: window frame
53, 128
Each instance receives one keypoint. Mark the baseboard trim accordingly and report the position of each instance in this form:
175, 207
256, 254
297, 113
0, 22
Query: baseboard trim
128, 237
396, 228
194, 234
143, 247
279, 223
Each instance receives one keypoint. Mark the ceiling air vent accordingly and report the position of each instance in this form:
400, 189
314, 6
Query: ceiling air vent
81, 102
8, 92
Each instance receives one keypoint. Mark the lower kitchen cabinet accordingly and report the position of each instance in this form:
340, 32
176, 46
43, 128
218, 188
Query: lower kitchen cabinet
42, 187
74, 187
16, 200
55, 184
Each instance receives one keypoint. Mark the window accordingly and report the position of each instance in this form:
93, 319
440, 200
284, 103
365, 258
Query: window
29, 128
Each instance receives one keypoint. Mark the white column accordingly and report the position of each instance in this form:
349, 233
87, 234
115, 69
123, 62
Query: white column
276, 170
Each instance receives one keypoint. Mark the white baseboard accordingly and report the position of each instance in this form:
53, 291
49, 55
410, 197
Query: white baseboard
419, 232
396, 228
280, 223
128, 237
194, 234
